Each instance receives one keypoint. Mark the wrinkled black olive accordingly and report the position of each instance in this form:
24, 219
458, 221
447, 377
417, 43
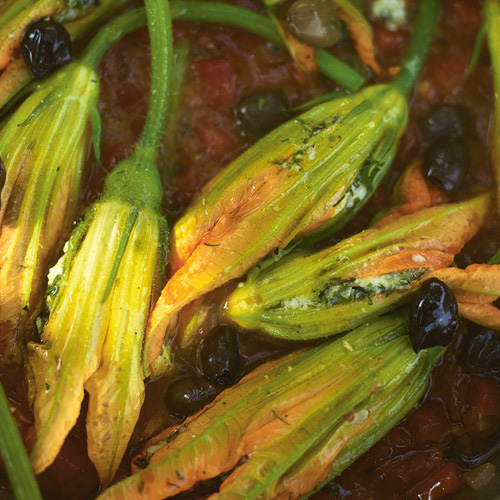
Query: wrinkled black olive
447, 120
446, 163
186, 396
3, 176
433, 316
314, 22
260, 113
220, 356
481, 352
46, 46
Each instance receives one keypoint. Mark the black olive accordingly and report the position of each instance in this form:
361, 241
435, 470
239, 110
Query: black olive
446, 163
481, 353
260, 113
46, 46
314, 22
186, 396
447, 120
3, 176
433, 316
220, 357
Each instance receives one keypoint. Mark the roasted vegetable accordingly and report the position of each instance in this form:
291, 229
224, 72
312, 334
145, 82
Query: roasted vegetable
307, 295
78, 18
309, 174
43, 160
293, 423
101, 294
478, 286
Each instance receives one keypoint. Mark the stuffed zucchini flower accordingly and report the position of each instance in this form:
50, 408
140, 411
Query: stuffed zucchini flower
291, 424
101, 293
77, 16
43, 148
307, 295
43, 159
92, 340
305, 178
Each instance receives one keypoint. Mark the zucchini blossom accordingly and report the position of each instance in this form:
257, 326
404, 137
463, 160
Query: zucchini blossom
101, 294
308, 295
44, 159
77, 16
292, 424
307, 177
93, 338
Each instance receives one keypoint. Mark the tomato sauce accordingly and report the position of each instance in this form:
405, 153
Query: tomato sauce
422, 457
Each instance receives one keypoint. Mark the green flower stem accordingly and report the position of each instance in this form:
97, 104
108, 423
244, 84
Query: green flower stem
112, 33
162, 62
246, 19
423, 33
224, 13
14, 455
338, 71
136, 179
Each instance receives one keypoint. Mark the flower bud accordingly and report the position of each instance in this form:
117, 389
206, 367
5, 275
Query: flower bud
293, 422
306, 177
308, 295
99, 301
43, 146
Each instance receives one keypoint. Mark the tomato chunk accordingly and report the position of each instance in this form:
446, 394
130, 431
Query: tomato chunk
443, 482
216, 78
486, 396
429, 425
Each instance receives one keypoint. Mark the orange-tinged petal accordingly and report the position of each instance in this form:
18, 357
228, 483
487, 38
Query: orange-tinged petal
308, 295
44, 162
307, 174
412, 193
329, 402
360, 31
476, 288
302, 54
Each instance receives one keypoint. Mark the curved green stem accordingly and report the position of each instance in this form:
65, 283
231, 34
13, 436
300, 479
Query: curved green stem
14, 456
112, 33
162, 61
248, 20
423, 33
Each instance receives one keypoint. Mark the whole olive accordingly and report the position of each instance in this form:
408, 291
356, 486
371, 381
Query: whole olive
46, 46
446, 120
220, 356
189, 395
481, 352
433, 316
261, 112
446, 162
314, 22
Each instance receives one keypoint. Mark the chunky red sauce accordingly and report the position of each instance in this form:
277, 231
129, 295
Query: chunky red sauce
460, 412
